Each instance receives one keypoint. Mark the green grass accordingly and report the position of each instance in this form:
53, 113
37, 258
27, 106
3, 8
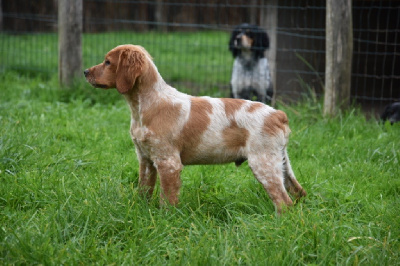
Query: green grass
68, 192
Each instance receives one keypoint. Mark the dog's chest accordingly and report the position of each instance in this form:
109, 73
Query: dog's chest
141, 136
150, 144
249, 73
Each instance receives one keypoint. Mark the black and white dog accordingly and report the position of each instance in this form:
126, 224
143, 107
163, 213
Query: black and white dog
391, 113
251, 78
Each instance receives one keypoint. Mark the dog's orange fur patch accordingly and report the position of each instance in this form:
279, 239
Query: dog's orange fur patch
198, 122
130, 66
170, 183
275, 122
254, 106
232, 105
163, 119
147, 80
235, 137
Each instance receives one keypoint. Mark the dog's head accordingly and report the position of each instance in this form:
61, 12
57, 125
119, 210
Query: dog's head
123, 68
392, 113
248, 37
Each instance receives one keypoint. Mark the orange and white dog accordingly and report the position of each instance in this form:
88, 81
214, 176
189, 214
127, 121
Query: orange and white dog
171, 129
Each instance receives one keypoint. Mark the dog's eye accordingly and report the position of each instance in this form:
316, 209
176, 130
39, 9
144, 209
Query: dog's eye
107, 62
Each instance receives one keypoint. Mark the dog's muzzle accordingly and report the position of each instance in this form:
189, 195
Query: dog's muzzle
92, 81
238, 40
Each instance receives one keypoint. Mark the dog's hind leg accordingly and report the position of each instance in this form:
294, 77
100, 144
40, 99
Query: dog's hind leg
291, 183
268, 170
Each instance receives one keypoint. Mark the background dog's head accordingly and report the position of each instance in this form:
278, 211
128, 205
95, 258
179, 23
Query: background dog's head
392, 113
248, 37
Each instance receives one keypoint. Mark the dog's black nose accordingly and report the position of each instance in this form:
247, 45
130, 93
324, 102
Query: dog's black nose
86, 72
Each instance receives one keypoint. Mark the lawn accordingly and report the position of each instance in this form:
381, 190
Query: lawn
68, 193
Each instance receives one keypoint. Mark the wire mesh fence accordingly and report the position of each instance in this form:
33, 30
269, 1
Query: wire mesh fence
189, 41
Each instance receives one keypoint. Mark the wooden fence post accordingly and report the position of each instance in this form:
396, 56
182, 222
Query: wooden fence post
69, 41
339, 50
269, 21
253, 12
159, 16
1, 17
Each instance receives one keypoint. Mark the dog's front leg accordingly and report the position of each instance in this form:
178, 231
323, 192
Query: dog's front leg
147, 178
169, 170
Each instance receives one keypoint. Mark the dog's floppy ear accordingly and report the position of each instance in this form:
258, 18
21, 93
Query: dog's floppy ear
261, 42
262, 39
130, 65
265, 40
235, 51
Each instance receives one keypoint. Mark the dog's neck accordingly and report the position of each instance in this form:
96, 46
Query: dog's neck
247, 58
147, 92
246, 54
